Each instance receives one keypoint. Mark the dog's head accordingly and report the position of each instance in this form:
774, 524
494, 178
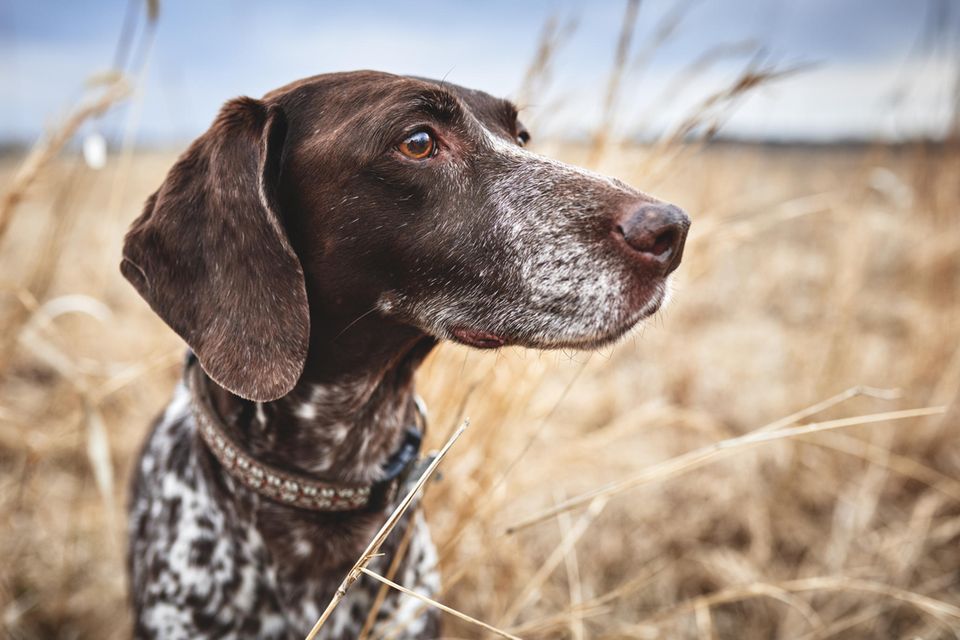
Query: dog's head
368, 193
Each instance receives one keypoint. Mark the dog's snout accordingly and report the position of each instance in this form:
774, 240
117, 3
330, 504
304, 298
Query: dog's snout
655, 232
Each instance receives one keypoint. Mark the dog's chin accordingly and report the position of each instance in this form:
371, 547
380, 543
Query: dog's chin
621, 322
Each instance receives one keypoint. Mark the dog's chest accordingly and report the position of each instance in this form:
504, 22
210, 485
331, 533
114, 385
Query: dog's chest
201, 568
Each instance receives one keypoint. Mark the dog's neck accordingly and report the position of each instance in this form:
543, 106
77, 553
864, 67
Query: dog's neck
345, 416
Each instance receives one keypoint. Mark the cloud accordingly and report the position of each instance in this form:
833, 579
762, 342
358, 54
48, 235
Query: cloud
210, 51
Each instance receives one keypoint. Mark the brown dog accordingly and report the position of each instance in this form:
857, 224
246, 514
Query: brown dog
311, 248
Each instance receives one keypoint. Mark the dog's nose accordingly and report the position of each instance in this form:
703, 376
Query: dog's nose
655, 232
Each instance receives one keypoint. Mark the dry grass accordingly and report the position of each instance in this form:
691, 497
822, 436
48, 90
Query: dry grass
373, 548
649, 508
809, 271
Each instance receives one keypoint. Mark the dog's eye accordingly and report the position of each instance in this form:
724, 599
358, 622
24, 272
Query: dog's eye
523, 137
418, 146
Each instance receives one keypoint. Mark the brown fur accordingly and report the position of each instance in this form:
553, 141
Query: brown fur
311, 268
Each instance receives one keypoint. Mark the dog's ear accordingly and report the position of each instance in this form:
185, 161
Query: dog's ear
211, 256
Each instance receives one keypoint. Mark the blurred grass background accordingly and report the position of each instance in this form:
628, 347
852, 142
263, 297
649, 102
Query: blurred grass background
810, 270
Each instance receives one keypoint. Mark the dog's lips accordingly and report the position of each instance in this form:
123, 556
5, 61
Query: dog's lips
654, 301
476, 338
638, 305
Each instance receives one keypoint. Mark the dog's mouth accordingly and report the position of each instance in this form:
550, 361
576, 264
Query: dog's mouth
619, 325
477, 339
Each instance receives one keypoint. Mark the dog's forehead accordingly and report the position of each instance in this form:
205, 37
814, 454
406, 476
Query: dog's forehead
375, 96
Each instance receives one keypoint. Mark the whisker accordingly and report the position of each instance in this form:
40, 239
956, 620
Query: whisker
358, 319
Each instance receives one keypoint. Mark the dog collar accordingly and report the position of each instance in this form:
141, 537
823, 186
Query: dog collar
293, 489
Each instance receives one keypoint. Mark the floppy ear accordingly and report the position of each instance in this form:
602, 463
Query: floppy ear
211, 256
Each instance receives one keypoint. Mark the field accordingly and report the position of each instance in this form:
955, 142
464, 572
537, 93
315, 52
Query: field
810, 272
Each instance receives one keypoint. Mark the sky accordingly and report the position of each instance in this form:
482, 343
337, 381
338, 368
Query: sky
866, 68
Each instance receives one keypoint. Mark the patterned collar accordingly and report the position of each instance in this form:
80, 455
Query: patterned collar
294, 489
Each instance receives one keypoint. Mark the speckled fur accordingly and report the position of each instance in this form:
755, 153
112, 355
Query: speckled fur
206, 561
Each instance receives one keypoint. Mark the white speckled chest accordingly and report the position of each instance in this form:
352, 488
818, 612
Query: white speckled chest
200, 566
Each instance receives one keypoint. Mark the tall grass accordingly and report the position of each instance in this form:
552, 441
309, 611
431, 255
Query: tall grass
809, 271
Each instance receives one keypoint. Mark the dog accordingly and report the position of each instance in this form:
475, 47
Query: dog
311, 248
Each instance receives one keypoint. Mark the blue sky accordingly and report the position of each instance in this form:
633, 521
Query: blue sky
874, 72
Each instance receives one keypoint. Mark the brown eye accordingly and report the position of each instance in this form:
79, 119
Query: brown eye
523, 137
418, 146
